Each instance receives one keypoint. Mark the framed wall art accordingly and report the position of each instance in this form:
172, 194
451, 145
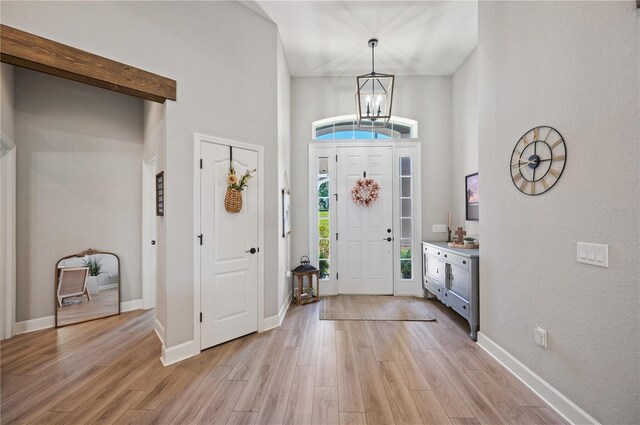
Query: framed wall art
160, 186
472, 197
286, 213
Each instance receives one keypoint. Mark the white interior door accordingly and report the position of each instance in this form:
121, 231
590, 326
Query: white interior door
365, 237
228, 268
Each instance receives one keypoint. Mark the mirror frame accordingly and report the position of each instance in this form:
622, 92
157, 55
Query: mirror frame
84, 253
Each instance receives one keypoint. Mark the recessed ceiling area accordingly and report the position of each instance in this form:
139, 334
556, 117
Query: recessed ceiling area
329, 38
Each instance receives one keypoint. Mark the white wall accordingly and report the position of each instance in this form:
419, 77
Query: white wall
426, 99
464, 146
284, 170
573, 66
78, 183
223, 57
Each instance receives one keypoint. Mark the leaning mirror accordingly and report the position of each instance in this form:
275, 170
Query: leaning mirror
87, 287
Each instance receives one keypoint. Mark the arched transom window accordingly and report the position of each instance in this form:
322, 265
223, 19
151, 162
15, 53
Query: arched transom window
345, 127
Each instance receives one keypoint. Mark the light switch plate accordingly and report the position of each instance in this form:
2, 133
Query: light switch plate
439, 228
540, 337
594, 254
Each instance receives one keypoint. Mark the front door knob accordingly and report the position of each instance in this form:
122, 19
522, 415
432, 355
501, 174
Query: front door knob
252, 251
387, 239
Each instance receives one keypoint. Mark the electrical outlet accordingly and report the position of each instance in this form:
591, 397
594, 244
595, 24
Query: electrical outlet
540, 337
439, 228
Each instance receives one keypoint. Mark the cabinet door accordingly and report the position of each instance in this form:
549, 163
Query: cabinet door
436, 268
460, 281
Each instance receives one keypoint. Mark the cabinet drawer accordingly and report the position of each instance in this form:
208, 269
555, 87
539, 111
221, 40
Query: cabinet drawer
433, 250
436, 269
434, 288
458, 304
456, 259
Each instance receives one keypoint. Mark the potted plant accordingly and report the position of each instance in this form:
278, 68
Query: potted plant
95, 269
235, 186
405, 269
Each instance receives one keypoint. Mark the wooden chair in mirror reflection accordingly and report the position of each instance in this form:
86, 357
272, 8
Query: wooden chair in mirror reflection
72, 282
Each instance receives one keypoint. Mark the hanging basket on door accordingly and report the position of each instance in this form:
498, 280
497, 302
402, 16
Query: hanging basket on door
365, 192
235, 186
233, 200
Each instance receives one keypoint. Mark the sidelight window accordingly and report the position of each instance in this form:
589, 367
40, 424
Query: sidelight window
406, 217
324, 225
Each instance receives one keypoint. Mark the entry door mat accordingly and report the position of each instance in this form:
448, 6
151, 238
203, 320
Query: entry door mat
376, 307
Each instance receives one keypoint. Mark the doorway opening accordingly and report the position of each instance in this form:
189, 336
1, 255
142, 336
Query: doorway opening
149, 232
7, 236
366, 249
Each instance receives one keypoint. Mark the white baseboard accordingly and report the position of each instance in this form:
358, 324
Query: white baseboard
567, 409
159, 331
131, 305
108, 286
33, 325
177, 353
275, 321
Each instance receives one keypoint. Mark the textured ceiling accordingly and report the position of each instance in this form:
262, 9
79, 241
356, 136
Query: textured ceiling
329, 38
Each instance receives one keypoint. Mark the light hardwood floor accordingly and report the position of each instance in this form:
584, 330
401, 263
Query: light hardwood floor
104, 303
305, 372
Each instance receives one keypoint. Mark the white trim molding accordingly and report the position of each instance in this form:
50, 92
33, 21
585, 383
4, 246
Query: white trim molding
7, 237
275, 321
131, 305
33, 325
159, 329
566, 408
177, 353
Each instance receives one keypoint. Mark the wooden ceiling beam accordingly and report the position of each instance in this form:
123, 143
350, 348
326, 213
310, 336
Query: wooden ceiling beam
40, 54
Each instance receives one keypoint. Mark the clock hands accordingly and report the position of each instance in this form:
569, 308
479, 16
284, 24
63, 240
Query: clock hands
520, 163
524, 163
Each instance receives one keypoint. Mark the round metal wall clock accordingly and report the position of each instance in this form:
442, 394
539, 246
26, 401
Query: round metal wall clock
537, 160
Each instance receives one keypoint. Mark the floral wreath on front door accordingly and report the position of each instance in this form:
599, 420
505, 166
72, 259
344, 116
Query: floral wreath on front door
365, 192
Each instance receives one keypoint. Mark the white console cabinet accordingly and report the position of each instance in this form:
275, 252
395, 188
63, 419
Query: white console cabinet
451, 275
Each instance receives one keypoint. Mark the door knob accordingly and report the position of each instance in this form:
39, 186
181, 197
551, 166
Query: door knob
252, 251
389, 239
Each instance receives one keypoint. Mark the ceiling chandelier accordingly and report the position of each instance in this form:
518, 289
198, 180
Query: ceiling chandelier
374, 95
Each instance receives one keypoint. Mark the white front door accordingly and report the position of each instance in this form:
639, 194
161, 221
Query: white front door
365, 237
228, 265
